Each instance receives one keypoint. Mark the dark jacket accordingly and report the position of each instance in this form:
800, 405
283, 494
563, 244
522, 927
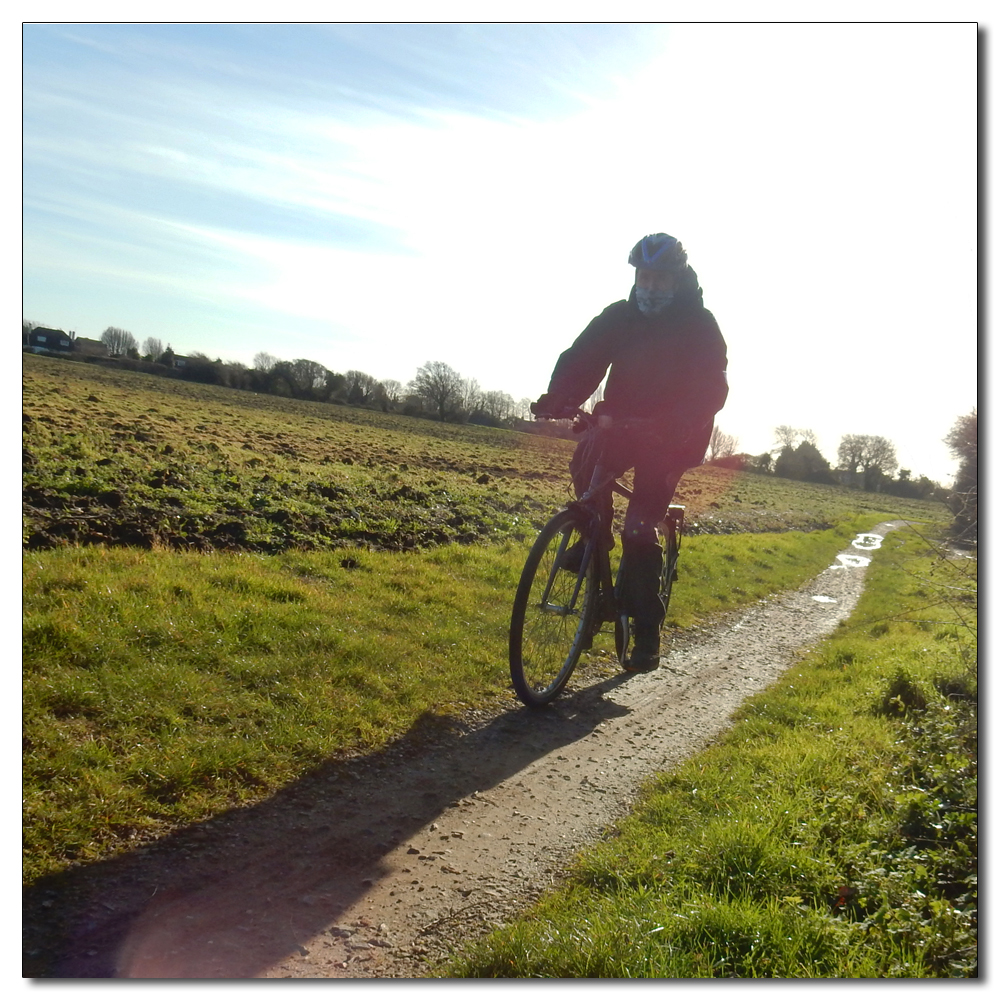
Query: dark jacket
671, 367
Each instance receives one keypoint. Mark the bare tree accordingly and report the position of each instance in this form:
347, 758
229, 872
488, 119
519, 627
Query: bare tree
721, 445
872, 456
264, 362
440, 385
785, 436
497, 405
880, 458
361, 387
152, 348
118, 341
788, 437
393, 390
472, 395
850, 452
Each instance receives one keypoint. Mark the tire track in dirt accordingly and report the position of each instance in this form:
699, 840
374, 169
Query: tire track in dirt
377, 870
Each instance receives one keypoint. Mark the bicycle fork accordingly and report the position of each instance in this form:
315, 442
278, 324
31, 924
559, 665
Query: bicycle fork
570, 608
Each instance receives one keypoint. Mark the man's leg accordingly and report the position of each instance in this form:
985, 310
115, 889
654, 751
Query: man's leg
653, 490
592, 448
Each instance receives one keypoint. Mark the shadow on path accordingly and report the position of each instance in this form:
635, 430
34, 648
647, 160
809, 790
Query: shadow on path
232, 896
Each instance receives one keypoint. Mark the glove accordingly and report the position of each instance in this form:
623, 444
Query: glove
545, 406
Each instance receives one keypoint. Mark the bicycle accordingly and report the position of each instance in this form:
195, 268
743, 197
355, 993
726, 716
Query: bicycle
558, 610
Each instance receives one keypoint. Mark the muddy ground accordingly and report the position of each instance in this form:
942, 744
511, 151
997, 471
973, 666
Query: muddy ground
389, 865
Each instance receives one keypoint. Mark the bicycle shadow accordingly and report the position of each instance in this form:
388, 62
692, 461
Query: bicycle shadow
232, 896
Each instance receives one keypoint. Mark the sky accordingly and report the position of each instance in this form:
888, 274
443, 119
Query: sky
377, 195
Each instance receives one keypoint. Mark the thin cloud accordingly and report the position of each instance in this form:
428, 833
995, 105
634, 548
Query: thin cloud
391, 193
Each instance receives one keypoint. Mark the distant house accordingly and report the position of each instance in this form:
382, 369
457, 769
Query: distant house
41, 338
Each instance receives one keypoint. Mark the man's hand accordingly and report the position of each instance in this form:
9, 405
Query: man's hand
546, 406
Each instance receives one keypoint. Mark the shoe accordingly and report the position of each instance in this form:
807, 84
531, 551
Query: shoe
645, 653
640, 663
573, 556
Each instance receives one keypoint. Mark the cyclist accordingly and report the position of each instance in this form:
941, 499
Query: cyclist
667, 361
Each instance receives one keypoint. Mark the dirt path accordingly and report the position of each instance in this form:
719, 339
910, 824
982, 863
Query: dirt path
380, 868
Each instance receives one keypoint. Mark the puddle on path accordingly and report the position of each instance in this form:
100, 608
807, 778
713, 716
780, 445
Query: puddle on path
867, 542
846, 560
823, 599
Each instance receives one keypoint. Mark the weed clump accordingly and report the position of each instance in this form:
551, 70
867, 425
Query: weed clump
902, 697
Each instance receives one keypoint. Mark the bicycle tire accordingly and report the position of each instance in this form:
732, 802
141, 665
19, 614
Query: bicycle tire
671, 549
623, 637
551, 621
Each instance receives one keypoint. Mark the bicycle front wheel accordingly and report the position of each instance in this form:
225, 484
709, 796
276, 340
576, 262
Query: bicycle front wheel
551, 622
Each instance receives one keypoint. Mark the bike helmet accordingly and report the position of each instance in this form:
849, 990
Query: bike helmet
658, 252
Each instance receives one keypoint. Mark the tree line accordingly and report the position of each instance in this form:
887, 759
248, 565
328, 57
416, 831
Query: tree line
868, 462
864, 461
438, 391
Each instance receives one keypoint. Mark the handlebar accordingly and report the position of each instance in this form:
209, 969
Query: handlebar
582, 420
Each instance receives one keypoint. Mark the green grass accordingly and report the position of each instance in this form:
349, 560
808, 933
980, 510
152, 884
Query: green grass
162, 686
832, 833
293, 592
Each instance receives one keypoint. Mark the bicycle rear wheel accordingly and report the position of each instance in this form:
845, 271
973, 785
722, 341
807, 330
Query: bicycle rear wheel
671, 544
670, 531
551, 621
669, 536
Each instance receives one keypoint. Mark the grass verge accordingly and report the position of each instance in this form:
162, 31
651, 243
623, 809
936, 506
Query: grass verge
163, 686
832, 833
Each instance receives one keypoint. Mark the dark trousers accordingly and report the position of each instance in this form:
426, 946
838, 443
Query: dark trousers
656, 475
